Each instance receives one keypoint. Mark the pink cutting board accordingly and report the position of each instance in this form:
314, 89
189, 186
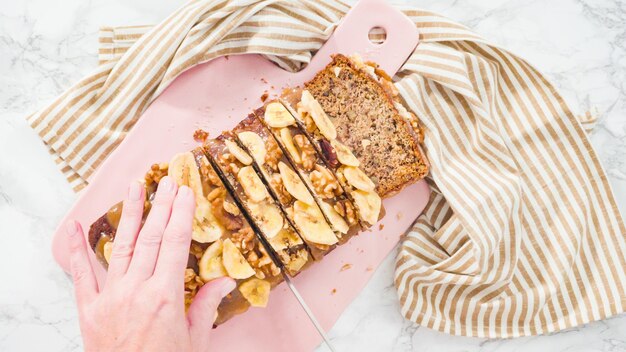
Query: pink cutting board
216, 95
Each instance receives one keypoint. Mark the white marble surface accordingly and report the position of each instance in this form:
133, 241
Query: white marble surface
47, 45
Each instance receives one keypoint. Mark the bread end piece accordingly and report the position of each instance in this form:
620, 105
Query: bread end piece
360, 101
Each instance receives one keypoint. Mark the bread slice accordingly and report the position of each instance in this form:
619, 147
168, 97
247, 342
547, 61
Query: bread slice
311, 204
285, 186
231, 234
319, 178
235, 167
319, 133
362, 104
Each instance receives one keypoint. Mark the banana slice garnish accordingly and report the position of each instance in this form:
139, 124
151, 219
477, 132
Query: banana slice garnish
322, 121
255, 145
357, 178
183, 169
206, 228
268, 217
294, 185
287, 138
285, 239
336, 220
239, 153
234, 262
252, 184
296, 264
210, 265
312, 224
276, 115
256, 291
368, 205
344, 154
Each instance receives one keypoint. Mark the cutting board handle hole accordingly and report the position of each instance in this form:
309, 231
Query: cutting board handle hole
377, 35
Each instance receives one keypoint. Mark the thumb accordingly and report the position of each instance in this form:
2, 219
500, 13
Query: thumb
202, 312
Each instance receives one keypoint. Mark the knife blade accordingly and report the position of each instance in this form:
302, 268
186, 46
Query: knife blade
272, 254
308, 311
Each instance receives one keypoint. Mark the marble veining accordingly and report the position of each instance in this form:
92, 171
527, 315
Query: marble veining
45, 46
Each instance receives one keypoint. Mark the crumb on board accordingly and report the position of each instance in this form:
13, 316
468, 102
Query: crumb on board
399, 215
200, 135
346, 267
264, 96
263, 80
381, 226
369, 268
333, 291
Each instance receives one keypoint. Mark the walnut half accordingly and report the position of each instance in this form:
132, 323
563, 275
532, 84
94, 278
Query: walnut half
259, 259
307, 151
244, 239
277, 185
347, 211
325, 185
273, 155
156, 173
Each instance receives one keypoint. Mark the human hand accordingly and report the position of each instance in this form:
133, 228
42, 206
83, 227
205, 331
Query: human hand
141, 305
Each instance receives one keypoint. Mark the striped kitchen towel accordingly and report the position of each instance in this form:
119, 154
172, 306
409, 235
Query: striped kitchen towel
522, 235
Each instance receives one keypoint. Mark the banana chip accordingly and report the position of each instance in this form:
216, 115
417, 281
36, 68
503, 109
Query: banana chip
256, 291
276, 115
210, 264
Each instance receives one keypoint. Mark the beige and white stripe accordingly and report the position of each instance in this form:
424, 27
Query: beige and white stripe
521, 236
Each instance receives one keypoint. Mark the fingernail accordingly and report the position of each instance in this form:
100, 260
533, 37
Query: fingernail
134, 191
71, 228
185, 191
226, 286
166, 185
